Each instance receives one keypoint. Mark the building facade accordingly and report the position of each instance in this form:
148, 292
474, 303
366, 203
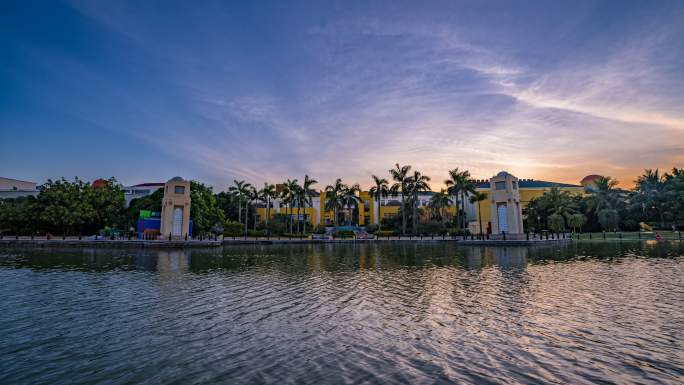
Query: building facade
15, 188
519, 191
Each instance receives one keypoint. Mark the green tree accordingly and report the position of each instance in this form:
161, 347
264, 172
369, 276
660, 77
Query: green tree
674, 186
605, 194
152, 202
251, 195
417, 183
108, 203
478, 197
18, 215
350, 201
557, 223
306, 194
239, 189
438, 204
576, 221
460, 184
400, 175
204, 210
333, 198
267, 194
289, 196
651, 193
379, 190
609, 219
64, 207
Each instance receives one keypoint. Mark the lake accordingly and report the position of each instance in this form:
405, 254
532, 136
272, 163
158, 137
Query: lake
371, 313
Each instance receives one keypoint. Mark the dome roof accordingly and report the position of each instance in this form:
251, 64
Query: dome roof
99, 183
176, 179
590, 179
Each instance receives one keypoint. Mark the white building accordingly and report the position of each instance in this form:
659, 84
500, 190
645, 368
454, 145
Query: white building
14, 188
139, 191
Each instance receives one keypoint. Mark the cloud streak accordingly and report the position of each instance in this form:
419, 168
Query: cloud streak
267, 94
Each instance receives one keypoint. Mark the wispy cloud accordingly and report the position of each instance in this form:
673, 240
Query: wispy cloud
264, 94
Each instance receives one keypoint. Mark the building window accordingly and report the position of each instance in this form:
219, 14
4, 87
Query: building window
500, 185
515, 185
179, 190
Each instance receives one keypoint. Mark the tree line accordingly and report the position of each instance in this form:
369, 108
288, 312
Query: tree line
657, 200
70, 208
75, 207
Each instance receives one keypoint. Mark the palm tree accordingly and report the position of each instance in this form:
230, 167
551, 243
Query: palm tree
239, 190
651, 192
453, 188
560, 202
378, 191
289, 196
438, 203
251, 195
478, 197
465, 185
400, 176
267, 193
417, 183
350, 199
333, 200
605, 192
306, 194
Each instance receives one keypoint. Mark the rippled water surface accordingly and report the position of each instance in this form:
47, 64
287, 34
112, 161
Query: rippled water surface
344, 314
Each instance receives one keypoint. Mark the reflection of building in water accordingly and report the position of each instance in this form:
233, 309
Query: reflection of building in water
172, 261
477, 257
510, 256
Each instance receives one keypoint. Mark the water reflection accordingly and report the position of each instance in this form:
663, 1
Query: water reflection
356, 313
172, 262
327, 257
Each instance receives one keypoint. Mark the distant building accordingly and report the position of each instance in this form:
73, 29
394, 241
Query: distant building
14, 188
589, 182
139, 191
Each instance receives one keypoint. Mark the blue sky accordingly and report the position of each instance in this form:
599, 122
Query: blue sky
216, 91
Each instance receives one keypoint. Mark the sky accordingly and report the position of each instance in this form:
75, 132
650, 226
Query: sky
264, 91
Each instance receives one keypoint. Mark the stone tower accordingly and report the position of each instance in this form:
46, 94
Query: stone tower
506, 211
175, 214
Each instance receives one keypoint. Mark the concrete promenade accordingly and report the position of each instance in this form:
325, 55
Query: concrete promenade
73, 241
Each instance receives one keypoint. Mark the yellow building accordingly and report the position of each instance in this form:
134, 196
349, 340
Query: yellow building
368, 210
369, 213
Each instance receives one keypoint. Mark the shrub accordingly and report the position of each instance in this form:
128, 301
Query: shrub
429, 228
385, 233
556, 222
458, 232
576, 221
293, 235
371, 229
629, 225
255, 233
233, 229
344, 234
609, 219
